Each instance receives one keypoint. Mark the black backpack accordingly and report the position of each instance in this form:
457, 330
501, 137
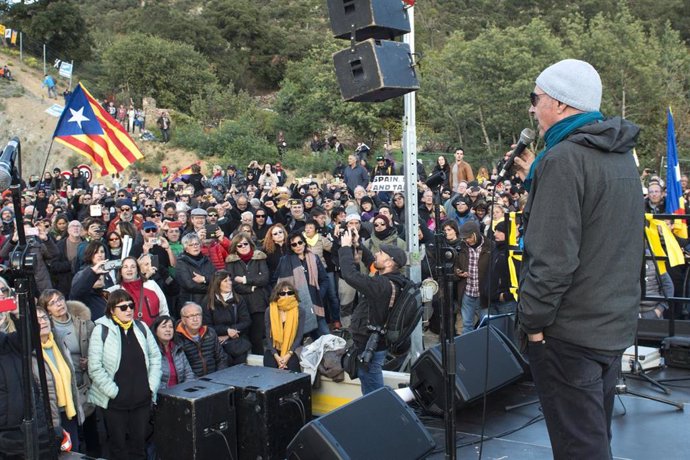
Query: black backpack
404, 315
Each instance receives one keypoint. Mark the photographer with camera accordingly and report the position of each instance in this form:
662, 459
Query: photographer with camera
376, 297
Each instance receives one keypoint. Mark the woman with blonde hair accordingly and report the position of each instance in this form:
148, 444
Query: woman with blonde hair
284, 328
275, 246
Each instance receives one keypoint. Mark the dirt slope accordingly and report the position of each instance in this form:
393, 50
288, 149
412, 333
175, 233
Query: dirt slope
25, 116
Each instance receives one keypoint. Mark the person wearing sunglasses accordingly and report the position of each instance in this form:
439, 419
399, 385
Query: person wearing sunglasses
261, 224
579, 297
125, 213
304, 270
384, 233
125, 371
275, 247
250, 277
155, 244
284, 323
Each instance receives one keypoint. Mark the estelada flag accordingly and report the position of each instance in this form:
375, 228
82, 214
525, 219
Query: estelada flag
87, 128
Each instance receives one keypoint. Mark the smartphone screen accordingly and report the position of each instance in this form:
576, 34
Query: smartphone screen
7, 305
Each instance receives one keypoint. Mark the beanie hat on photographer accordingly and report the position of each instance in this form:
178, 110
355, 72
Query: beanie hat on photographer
573, 82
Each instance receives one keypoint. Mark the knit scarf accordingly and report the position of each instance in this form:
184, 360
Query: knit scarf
62, 376
311, 241
383, 234
246, 257
284, 335
557, 133
124, 326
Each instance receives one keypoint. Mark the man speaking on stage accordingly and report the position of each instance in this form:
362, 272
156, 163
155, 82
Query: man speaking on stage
580, 277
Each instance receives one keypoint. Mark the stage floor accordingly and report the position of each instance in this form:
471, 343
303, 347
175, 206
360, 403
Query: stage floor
642, 429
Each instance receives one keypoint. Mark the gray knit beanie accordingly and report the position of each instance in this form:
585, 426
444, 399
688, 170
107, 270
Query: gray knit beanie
573, 82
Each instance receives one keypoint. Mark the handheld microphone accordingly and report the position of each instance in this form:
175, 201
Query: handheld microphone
526, 137
9, 155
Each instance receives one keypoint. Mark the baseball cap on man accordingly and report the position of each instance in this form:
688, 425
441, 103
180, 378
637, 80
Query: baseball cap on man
395, 253
573, 82
468, 229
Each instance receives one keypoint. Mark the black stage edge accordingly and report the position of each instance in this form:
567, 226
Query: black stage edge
648, 430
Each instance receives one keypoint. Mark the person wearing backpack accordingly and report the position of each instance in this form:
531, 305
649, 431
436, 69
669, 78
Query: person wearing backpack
376, 298
125, 370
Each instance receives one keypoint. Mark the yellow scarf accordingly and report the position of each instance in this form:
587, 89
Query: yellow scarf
311, 241
284, 336
61, 376
124, 326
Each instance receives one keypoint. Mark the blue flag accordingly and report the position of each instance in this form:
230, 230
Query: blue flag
675, 204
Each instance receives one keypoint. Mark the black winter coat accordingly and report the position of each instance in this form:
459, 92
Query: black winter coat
184, 272
206, 355
83, 291
234, 315
255, 291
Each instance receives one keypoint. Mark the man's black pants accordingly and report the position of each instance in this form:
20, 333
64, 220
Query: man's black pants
576, 388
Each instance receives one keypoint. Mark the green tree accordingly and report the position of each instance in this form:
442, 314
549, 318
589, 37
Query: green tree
309, 101
215, 104
57, 24
476, 91
171, 72
643, 73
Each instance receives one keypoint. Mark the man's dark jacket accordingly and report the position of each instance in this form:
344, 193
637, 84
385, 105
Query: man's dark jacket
580, 276
374, 297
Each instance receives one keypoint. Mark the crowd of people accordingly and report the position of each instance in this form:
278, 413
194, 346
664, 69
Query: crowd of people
140, 288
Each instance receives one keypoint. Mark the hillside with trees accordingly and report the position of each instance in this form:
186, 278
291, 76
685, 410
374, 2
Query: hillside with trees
237, 71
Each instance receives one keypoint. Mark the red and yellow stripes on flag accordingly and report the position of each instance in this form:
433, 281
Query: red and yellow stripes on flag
113, 150
184, 172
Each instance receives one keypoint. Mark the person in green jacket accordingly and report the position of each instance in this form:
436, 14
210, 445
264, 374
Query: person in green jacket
125, 371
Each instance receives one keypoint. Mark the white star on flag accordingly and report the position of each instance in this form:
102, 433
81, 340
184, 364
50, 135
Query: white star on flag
78, 117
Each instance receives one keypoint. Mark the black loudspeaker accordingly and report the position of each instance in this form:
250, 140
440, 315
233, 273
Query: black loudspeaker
426, 377
504, 322
375, 71
196, 420
382, 19
376, 426
272, 405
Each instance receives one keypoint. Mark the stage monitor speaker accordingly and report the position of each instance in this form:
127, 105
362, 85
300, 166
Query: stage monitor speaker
378, 425
381, 19
272, 405
375, 71
426, 376
196, 420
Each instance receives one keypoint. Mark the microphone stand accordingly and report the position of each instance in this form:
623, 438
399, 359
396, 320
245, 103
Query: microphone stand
442, 255
21, 268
